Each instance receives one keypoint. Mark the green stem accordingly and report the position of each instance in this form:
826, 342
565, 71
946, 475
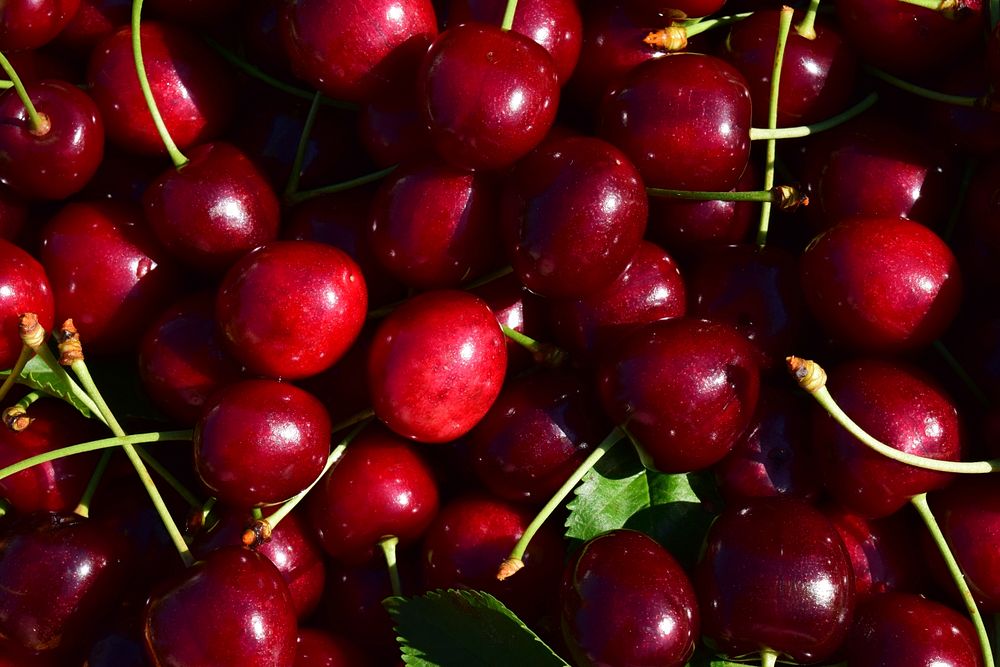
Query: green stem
807, 26
508, 15
300, 197
5, 85
515, 561
933, 5
83, 507
774, 195
388, 545
920, 91
708, 24
300, 151
28, 399
356, 418
923, 508
257, 513
176, 156
994, 13
45, 354
488, 278
784, 25
768, 658
543, 353
961, 373
36, 124
170, 479
22, 360
757, 134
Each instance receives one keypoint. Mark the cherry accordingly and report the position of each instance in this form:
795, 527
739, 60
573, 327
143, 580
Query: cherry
677, 8
901, 408
686, 389
517, 309
260, 442
232, 608
28, 24
343, 388
352, 49
316, 648
13, 214
391, 128
381, 487
626, 600
308, 333
24, 288
906, 629
881, 284
774, 574
436, 365
94, 21
191, 85
56, 160
572, 216
508, 111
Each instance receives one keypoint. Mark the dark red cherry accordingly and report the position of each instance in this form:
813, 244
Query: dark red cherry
316, 648
553, 24
572, 216
24, 288
57, 160
106, 272
684, 120
260, 442
191, 85
901, 629
676, 8
13, 214
626, 601
434, 226
971, 130
507, 111
28, 24
436, 365
898, 406
881, 284
686, 389
520, 310
391, 128
343, 388
352, 49
94, 21
233, 608
291, 309
774, 574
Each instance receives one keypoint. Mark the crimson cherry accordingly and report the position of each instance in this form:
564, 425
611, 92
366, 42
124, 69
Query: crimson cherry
316, 648
13, 214
24, 288
391, 128
436, 365
94, 21
260, 442
518, 309
28, 24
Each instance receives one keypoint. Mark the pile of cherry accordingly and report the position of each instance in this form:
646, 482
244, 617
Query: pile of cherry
459, 332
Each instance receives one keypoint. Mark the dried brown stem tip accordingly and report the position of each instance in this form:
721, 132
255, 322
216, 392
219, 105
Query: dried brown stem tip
258, 534
16, 418
672, 38
808, 373
70, 348
31, 332
789, 198
509, 568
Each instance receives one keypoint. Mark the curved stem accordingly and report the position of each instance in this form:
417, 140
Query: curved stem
170, 479
36, 125
807, 26
923, 508
83, 507
45, 354
300, 197
388, 545
22, 360
920, 91
708, 24
176, 156
508, 15
784, 25
543, 353
757, 134
300, 151
356, 418
515, 561
6, 85
768, 658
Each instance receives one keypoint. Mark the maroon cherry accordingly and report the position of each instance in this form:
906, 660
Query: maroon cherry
520, 310
391, 128
57, 159
436, 366
94, 21
291, 309
683, 120
24, 288
673, 8
260, 442
191, 85
686, 389
509, 109
316, 648
572, 216
13, 214
881, 284
626, 601
774, 574
381, 487
233, 608
28, 24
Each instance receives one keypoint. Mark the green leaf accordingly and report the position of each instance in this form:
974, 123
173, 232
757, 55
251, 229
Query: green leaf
455, 628
38, 376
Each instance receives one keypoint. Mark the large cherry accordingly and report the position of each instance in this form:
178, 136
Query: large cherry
488, 95
774, 574
626, 601
24, 288
685, 388
233, 608
28, 24
436, 365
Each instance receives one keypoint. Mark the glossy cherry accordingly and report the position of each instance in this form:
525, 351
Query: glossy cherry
436, 365
685, 388
572, 216
505, 114
316, 648
260, 442
518, 309
57, 160
232, 608
774, 574
626, 601
28, 24
94, 21
24, 288
321, 299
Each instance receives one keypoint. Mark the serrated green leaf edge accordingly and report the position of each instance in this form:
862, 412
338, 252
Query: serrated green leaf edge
38, 376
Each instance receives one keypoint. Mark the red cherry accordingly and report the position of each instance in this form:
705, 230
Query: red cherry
316, 648
28, 24
95, 20
24, 288
675, 8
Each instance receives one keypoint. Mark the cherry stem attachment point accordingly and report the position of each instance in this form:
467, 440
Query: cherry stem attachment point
923, 508
768, 658
812, 378
946, 7
799, 131
807, 26
374, 177
16, 417
300, 152
786, 197
784, 25
546, 354
927, 93
38, 124
515, 561
508, 15
178, 158
22, 360
388, 546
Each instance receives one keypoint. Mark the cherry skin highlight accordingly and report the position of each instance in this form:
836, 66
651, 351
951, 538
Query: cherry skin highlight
24, 288
28, 24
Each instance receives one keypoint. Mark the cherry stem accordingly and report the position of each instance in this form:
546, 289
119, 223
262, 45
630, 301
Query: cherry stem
707, 24
22, 360
994, 13
933, 5
768, 658
927, 93
178, 158
961, 373
784, 25
257, 513
508, 15
4, 85
924, 509
36, 124
812, 378
300, 197
300, 151
170, 479
45, 354
388, 545
785, 196
83, 507
356, 418
807, 26
799, 131
543, 353
515, 560
16, 417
